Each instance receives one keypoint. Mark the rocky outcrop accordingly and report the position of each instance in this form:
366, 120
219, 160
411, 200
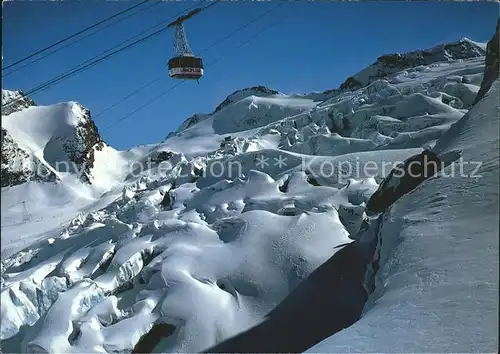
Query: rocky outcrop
491, 69
81, 148
161, 156
350, 84
403, 179
18, 166
14, 101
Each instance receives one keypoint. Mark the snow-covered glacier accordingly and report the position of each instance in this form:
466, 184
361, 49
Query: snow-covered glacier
249, 225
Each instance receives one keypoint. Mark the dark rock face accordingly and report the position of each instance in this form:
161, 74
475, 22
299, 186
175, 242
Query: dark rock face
18, 166
81, 148
403, 179
329, 300
15, 101
460, 50
399, 61
162, 156
350, 84
167, 200
149, 340
491, 69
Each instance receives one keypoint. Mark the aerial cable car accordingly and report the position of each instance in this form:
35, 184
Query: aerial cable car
184, 65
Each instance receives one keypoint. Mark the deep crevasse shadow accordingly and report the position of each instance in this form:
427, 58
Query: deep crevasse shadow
330, 299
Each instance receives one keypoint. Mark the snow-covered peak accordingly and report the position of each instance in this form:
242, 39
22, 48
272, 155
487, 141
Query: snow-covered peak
194, 119
247, 109
55, 140
463, 49
481, 45
260, 91
8, 95
257, 91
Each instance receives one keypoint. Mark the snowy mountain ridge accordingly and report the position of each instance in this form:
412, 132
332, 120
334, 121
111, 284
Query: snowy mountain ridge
258, 91
246, 214
387, 65
44, 143
383, 68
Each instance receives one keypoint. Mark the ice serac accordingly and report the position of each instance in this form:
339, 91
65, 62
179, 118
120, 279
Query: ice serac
492, 63
330, 299
437, 286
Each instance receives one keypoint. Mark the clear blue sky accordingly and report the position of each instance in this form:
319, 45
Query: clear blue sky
313, 47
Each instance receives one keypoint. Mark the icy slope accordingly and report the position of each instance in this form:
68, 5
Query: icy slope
438, 278
224, 219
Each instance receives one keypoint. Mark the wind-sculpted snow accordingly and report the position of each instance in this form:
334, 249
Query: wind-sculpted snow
223, 261
210, 230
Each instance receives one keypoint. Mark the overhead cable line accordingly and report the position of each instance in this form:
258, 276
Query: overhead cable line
93, 61
255, 19
128, 115
74, 35
81, 38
